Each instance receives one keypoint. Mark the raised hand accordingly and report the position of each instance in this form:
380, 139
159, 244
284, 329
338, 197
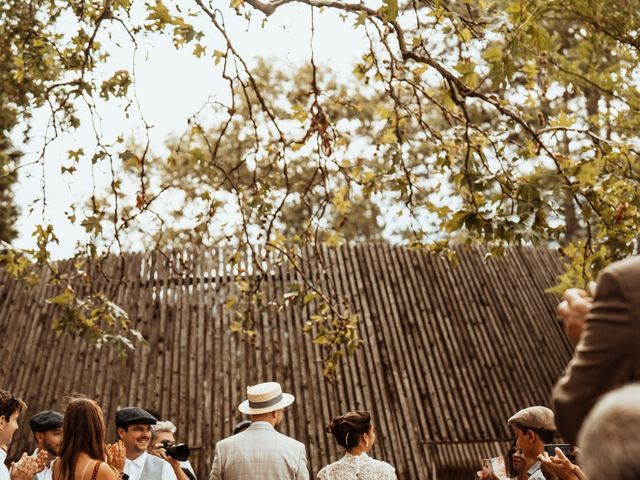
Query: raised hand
576, 304
116, 453
28, 466
560, 466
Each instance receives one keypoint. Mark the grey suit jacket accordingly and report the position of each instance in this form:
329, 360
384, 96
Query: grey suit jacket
260, 452
608, 353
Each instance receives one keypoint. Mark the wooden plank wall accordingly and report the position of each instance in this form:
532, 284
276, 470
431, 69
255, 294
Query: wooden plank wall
449, 352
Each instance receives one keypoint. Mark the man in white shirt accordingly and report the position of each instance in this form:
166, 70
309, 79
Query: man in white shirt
163, 436
10, 409
133, 426
47, 431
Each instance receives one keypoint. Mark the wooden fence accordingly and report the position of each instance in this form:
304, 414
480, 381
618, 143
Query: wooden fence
450, 352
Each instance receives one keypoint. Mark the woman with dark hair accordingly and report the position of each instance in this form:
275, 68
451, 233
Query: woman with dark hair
517, 464
355, 432
84, 452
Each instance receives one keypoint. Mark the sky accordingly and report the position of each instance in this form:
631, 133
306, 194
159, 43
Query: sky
171, 86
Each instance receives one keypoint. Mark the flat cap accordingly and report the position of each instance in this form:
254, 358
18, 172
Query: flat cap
133, 415
45, 420
539, 418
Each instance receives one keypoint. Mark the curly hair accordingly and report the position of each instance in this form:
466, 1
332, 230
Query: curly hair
10, 405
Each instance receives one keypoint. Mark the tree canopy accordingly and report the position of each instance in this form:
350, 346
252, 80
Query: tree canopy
495, 121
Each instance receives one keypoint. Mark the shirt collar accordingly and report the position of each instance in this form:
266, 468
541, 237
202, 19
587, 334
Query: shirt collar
534, 468
261, 424
3, 455
139, 462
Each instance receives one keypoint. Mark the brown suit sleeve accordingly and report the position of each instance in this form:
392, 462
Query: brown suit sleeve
602, 358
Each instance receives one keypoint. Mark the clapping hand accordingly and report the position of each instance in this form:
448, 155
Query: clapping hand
560, 466
28, 466
116, 454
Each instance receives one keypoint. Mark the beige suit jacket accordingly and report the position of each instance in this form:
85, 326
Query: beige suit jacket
260, 452
608, 353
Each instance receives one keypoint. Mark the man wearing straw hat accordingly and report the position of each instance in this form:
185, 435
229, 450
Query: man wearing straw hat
261, 452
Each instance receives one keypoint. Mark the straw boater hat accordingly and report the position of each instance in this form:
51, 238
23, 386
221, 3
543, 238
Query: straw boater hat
264, 398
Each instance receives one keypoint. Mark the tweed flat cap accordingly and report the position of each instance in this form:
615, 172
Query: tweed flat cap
134, 415
540, 418
46, 420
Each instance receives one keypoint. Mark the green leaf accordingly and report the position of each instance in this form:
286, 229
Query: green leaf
92, 224
299, 112
76, 154
199, 50
360, 20
563, 120
388, 137
217, 56
159, 15
390, 10
493, 53
65, 299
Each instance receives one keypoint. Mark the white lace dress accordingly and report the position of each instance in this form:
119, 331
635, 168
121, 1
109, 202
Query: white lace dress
357, 467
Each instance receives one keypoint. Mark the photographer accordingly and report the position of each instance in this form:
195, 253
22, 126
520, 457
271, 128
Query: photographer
163, 444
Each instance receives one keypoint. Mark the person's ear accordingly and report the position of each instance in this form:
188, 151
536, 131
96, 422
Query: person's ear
3, 421
120, 432
38, 436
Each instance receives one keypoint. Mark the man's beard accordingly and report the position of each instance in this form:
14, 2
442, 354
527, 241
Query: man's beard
50, 449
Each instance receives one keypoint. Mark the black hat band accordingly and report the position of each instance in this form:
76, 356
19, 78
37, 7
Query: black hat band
267, 403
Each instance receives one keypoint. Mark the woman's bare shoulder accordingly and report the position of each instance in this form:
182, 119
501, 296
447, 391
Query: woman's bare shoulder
105, 472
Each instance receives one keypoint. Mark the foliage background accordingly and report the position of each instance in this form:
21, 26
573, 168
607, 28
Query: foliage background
496, 122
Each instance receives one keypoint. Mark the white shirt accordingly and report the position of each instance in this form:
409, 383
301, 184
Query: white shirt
187, 465
134, 468
45, 474
4, 471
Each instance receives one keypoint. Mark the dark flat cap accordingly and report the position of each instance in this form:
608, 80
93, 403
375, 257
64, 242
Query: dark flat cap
45, 420
539, 418
134, 415
241, 426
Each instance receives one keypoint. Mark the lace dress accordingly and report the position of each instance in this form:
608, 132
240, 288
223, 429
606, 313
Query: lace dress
357, 467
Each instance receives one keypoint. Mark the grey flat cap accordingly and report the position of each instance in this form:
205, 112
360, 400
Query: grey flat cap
539, 418
46, 420
134, 415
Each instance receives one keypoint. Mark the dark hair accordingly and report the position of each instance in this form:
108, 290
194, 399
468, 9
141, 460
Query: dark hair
348, 428
10, 405
545, 435
84, 431
241, 426
154, 413
508, 459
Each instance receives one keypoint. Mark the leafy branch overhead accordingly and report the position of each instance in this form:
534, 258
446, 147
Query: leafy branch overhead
504, 122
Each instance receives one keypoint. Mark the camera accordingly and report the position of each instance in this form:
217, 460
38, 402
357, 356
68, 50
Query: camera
566, 449
179, 451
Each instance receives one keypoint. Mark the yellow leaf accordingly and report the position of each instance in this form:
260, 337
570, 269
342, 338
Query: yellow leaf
382, 112
388, 137
340, 202
299, 112
199, 50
